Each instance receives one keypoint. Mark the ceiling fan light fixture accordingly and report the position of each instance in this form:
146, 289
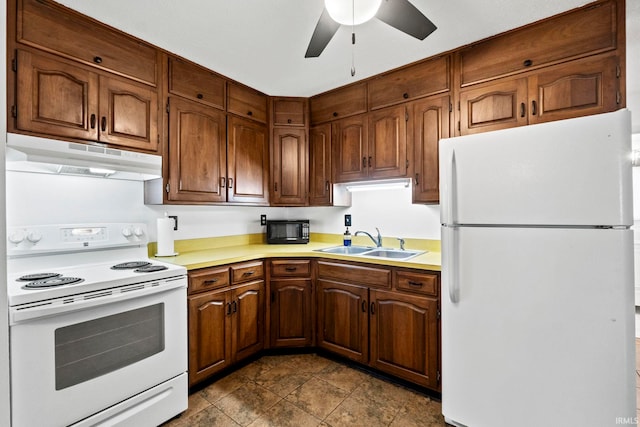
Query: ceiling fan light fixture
353, 12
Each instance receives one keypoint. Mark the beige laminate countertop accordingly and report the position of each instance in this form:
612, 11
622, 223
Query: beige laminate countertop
194, 254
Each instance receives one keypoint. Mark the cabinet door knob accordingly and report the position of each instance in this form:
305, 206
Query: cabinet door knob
534, 107
373, 307
405, 95
223, 182
523, 110
249, 113
326, 186
527, 63
199, 96
93, 121
97, 59
364, 162
230, 182
288, 120
417, 175
103, 124
364, 306
369, 161
335, 114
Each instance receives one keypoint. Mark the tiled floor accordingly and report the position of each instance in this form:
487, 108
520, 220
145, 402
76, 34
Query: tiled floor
306, 390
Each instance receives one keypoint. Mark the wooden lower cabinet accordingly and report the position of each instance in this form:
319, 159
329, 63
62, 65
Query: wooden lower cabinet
404, 336
226, 324
343, 319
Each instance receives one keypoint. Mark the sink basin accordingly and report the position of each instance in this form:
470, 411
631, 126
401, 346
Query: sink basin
392, 253
346, 250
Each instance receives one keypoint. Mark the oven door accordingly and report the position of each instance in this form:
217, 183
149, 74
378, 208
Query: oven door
67, 365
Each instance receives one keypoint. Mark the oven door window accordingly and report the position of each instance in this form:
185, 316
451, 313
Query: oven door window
96, 347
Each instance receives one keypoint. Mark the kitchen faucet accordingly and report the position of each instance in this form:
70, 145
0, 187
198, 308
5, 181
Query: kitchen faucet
377, 240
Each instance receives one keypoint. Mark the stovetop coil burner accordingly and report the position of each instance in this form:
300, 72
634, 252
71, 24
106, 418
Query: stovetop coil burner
53, 282
130, 265
150, 269
37, 276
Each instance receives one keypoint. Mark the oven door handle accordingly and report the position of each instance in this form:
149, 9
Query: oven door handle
61, 305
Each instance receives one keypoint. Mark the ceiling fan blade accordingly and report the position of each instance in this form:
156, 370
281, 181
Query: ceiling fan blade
405, 17
322, 35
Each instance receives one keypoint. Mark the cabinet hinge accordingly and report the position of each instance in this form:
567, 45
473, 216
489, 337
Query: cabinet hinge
406, 164
167, 105
406, 115
618, 71
14, 111
618, 97
438, 377
439, 314
458, 105
458, 125
14, 64
166, 188
450, 107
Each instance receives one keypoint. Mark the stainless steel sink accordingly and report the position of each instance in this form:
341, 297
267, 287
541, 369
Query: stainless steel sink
396, 254
346, 250
368, 251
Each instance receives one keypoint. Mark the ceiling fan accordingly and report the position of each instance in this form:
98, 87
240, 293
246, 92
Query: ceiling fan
400, 14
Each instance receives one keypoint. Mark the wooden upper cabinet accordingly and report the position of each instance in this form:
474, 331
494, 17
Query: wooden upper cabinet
197, 152
350, 148
290, 111
578, 88
320, 181
582, 32
431, 122
57, 97
336, 104
196, 83
416, 81
246, 102
49, 26
247, 162
387, 155
289, 167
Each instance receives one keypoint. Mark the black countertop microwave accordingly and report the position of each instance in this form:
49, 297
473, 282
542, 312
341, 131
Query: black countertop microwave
288, 231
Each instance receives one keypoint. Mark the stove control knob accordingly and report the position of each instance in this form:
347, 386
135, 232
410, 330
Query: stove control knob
138, 231
16, 236
34, 237
126, 232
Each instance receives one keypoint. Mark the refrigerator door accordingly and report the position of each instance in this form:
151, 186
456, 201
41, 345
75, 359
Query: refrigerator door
539, 327
570, 172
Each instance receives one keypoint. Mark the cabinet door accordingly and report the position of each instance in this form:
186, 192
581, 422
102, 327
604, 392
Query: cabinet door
404, 336
349, 140
387, 151
197, 152
209, 334
343, 319
289, 163
320, 184
128, 114
430, 123
291, 317
56, 98
493, 106
247, 308
575, 89
248, 162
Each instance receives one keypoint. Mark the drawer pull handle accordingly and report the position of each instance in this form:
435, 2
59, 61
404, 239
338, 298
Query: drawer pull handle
527, 63
199, 96
364, 306
416, 284
288, 120
335, 114
97, 60
248, 273
405, 95
291, 268
210, 281
249, 113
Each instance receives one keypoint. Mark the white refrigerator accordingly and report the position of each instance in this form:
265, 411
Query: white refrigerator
537, 275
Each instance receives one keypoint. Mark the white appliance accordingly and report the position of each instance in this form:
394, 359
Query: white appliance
98, 331
537, 275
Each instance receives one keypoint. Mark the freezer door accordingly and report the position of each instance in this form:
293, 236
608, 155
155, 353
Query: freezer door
569, 172
539, 330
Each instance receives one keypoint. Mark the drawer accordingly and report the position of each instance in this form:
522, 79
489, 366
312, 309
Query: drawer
585, 31
247, 271
353, 273
247, 102
291, 268
289, 111
45, 25
416, 81
343, 102
206, 279
196, 83
422, 283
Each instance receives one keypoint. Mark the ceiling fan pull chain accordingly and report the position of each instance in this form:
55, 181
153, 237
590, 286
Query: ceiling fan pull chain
353, 38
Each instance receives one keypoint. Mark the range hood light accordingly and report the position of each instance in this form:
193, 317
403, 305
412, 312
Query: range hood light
388, 184
84, 171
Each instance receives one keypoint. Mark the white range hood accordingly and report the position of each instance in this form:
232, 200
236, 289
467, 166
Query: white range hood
41, 155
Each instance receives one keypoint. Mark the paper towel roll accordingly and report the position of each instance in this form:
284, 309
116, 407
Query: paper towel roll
165, 237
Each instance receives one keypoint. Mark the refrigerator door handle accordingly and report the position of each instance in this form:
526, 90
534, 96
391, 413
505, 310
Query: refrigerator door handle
450, 264
449, 190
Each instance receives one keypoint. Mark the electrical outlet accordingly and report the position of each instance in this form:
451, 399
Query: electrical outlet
263, 220
175, 221
347, 220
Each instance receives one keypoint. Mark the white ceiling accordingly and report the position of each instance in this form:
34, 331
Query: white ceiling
262, 43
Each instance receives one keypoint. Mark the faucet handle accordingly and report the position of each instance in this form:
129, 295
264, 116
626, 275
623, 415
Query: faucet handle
401, 242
